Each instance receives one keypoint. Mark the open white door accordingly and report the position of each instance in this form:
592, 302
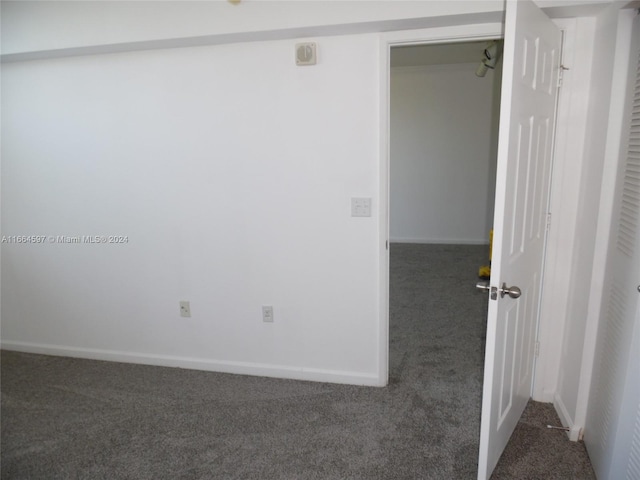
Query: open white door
527, 113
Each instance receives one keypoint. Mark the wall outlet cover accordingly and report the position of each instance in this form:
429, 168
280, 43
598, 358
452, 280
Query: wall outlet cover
267, 313
185, 309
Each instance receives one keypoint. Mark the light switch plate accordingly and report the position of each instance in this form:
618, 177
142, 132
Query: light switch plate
360, 207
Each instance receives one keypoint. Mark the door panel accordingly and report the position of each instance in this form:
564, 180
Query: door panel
506, 340
527, 114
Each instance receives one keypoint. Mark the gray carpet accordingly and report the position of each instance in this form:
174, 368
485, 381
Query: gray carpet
66, 418
535, 452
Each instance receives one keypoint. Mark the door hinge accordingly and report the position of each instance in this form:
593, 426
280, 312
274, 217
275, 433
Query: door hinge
561, 75
548, 227
537, 349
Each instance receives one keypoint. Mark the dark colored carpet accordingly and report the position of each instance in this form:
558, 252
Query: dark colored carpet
537, 453
66, 418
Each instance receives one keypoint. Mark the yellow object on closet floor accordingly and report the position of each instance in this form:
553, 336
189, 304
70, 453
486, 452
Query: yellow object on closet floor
490, 243
485, 270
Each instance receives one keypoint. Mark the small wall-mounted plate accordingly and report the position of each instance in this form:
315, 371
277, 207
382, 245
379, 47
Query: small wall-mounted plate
305, 53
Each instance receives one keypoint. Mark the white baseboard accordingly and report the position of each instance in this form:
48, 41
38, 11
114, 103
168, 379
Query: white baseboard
565, 418
441, 241
210, 365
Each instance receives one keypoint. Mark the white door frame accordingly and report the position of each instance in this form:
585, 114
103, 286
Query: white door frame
453, 34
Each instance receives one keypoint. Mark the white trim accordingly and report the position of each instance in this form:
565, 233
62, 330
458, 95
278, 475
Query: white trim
441, 241
565, 419
383, 235
451, 34
220, 366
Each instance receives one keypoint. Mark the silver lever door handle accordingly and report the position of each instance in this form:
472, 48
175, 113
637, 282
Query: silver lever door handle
485, 287
513, 292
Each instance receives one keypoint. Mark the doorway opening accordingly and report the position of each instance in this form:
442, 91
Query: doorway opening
444, 119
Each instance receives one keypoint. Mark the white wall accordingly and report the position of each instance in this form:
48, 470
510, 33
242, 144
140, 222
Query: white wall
443, 141
33, 26
571, 125
588, 199
575, 209
47, 28
226, 209
230, 170
612, 427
